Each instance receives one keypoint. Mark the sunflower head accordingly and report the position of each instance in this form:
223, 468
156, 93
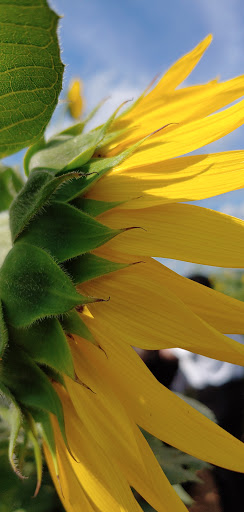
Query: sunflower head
79, 287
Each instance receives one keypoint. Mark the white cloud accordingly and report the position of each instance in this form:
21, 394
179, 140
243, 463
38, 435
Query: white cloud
236, 210
224, 18
107, 84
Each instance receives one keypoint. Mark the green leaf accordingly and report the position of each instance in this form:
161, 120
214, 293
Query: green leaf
72, 323
179, 467
31, 72
66, 232
3, 331
89, 266
33, 286
46, 343
93, 207
199, 406
29, 384
36, 192
10, 184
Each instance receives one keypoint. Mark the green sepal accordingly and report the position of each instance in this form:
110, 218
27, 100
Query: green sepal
33, 437
33, 286
93, 207
14, 420
111, 136
43, 418
30, 152
34, 195
3, 331
72, 323
92, 172
66, 232
88, 266
31, 387
65, 154
76, 129
46, 343
10, 185
53, 375
15, 424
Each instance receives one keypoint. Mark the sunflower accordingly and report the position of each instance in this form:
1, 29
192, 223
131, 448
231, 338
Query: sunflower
80, 288
75, 99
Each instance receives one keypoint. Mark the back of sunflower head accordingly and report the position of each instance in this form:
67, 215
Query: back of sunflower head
38, 277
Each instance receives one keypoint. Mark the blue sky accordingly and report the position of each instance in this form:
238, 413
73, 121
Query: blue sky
118, 46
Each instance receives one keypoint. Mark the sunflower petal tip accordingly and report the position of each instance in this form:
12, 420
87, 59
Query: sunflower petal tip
78, 381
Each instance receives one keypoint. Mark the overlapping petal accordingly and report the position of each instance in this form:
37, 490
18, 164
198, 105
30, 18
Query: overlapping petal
187, 178
148, 305
160, 411
176, 74
153, 317
180, 231
223, 312
179, 107
120, 440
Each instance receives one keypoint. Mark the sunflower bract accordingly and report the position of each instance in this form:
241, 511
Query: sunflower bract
79, 288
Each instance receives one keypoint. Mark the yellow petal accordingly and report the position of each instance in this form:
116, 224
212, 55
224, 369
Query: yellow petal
188, 178
181, 106
142, 312
135, 461
180, 231
179, 140
161, 412
99, 476
68, 487
224, 313
174, 76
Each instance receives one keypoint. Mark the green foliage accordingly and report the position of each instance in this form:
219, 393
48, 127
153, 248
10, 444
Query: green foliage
31, 387
46, 343
3, 331
72, 323
31, 72
89, 266
93, 207
230, 282
10, 185
65, 232
93, 171
66, 152
33, 286
33, 196
179, 467
15, 493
